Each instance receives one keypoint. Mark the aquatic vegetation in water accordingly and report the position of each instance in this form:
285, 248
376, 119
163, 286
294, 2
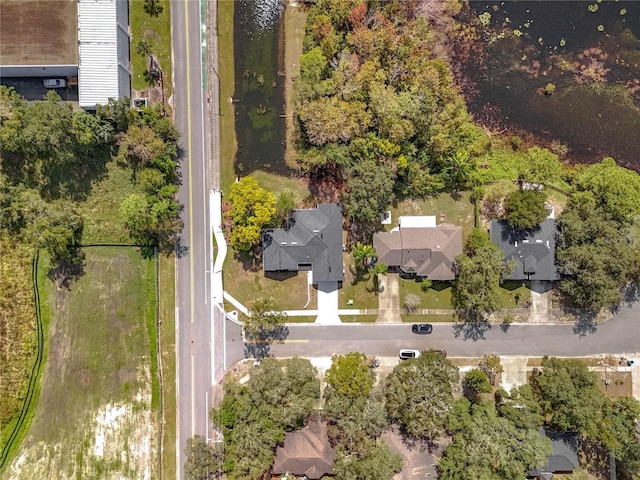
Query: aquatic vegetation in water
590, 66
517, 33
485, 18
550, 88
623, 11
600, 28
593, 8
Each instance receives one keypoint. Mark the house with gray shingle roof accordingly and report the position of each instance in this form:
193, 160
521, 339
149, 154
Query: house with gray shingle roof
420, 247
311, 241
563, 458
532, 249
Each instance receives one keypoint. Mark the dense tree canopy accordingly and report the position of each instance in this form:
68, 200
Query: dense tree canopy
525, 209
277, 398
373, 461
370, 77
569, 396
475, 291
616, 189
419, 394
350, 375
490, 447
203, 461
594, 253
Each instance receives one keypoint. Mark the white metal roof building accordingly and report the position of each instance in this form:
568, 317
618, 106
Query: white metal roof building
103, 50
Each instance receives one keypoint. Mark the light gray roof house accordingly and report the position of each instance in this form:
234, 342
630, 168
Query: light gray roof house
533, 250
312, 241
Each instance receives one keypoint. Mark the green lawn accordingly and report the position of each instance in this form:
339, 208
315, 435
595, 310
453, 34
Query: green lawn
289, 291
157, 30
439, 295
418, 318
95, 410
167, 333
457, 209
226, 70
278, 184
360, 291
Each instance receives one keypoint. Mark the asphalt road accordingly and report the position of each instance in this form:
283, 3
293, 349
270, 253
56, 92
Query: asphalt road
194, 252
617, 336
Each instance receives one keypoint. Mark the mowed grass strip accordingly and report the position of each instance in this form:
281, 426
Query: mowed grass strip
226, 71
167, 332
94, 417
157, 30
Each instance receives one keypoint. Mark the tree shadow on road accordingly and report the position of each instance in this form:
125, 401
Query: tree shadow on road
471, 330
585, 323
259, 345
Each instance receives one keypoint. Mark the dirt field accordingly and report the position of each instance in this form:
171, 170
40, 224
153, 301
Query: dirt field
95, 417
38, 32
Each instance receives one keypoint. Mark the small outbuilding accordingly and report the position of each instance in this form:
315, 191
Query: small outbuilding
563, 458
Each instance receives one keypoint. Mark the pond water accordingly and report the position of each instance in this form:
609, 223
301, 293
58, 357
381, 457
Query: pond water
567, 72
259, 91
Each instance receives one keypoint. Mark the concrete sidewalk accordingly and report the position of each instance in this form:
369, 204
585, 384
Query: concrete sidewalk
215, 218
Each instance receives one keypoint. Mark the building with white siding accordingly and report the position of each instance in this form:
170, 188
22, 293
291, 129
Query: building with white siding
104, 70
84, 41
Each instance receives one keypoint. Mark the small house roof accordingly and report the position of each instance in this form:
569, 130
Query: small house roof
533, 250
305, 452
564, 455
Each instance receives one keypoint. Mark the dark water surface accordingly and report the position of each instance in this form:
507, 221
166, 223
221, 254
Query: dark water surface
259, 91
588, 50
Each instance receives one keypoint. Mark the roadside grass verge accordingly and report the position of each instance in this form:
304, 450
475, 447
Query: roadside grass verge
226, 71
94, 417
430, 318
157, 30
457, 209
167, 334
22, 358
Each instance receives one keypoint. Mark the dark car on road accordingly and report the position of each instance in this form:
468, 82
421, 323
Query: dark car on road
422, 328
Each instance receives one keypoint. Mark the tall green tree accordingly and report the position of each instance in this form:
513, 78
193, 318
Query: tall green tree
350, 375
525, 209
264, 317
374, 461
419, 394
615, 188
252, 209
568, 394
542, 166
363, 253
475, 291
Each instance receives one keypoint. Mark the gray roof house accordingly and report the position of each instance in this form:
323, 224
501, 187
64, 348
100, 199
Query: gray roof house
305, 453
312, 241
533, 250
563, 458
421, 248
